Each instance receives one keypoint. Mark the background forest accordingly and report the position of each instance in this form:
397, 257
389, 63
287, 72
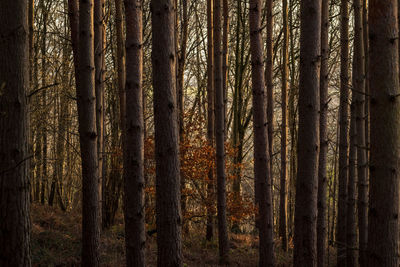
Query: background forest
198, 133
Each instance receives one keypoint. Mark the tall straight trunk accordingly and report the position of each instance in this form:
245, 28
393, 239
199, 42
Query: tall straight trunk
261, 163
225, 54
333, 195
88, 136
292, 120
168, 210
181, 65
323, 136
14, 181
180, 98
385, 131
269, 83
305, 235
359, 93
366, 62
99, 61
31, 133
133, 147
284, 130
121, 61
73, 15
210, 114
343, 133
44, 103
351, 230
220, 136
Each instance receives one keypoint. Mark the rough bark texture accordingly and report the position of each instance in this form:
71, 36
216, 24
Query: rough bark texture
383, 231
210, 114
121, 60
343, 133
88, 136
43, 127
261, 158
269, 83
180, 97
359, 97
351, 230
133, 146
225, 55
99, 53
220, 136
181, 66
14, 181
73, 15
305, 236
284, 131
323, 138
168, 210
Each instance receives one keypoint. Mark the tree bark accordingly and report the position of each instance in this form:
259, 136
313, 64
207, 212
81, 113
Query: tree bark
134, 144
43, 128
284, 130
220, 137
225, 55
88, 136
305, 236
323, 137
269, 83
99, 61
359, 95
351, 230
262, 174
385, 139
14, 180
343, 134
210, 115
168, 210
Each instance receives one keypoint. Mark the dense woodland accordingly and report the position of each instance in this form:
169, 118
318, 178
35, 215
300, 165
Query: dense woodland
199, 133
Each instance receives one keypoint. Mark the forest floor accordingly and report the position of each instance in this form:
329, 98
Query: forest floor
56, 241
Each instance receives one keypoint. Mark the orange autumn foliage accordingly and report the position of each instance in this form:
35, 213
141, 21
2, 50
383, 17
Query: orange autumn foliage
197, 158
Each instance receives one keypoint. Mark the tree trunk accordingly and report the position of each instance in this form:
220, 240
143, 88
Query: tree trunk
73, 14
343, 134
210, 115
262, 174
14, 180
351, 230
269, 83
284, 131
180, 97
99, 61
168, 211
385, 139
323, 137
220, 137
225, 55
133, 147
43, 127
305, 236
359, 93
88, 136
292, 121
